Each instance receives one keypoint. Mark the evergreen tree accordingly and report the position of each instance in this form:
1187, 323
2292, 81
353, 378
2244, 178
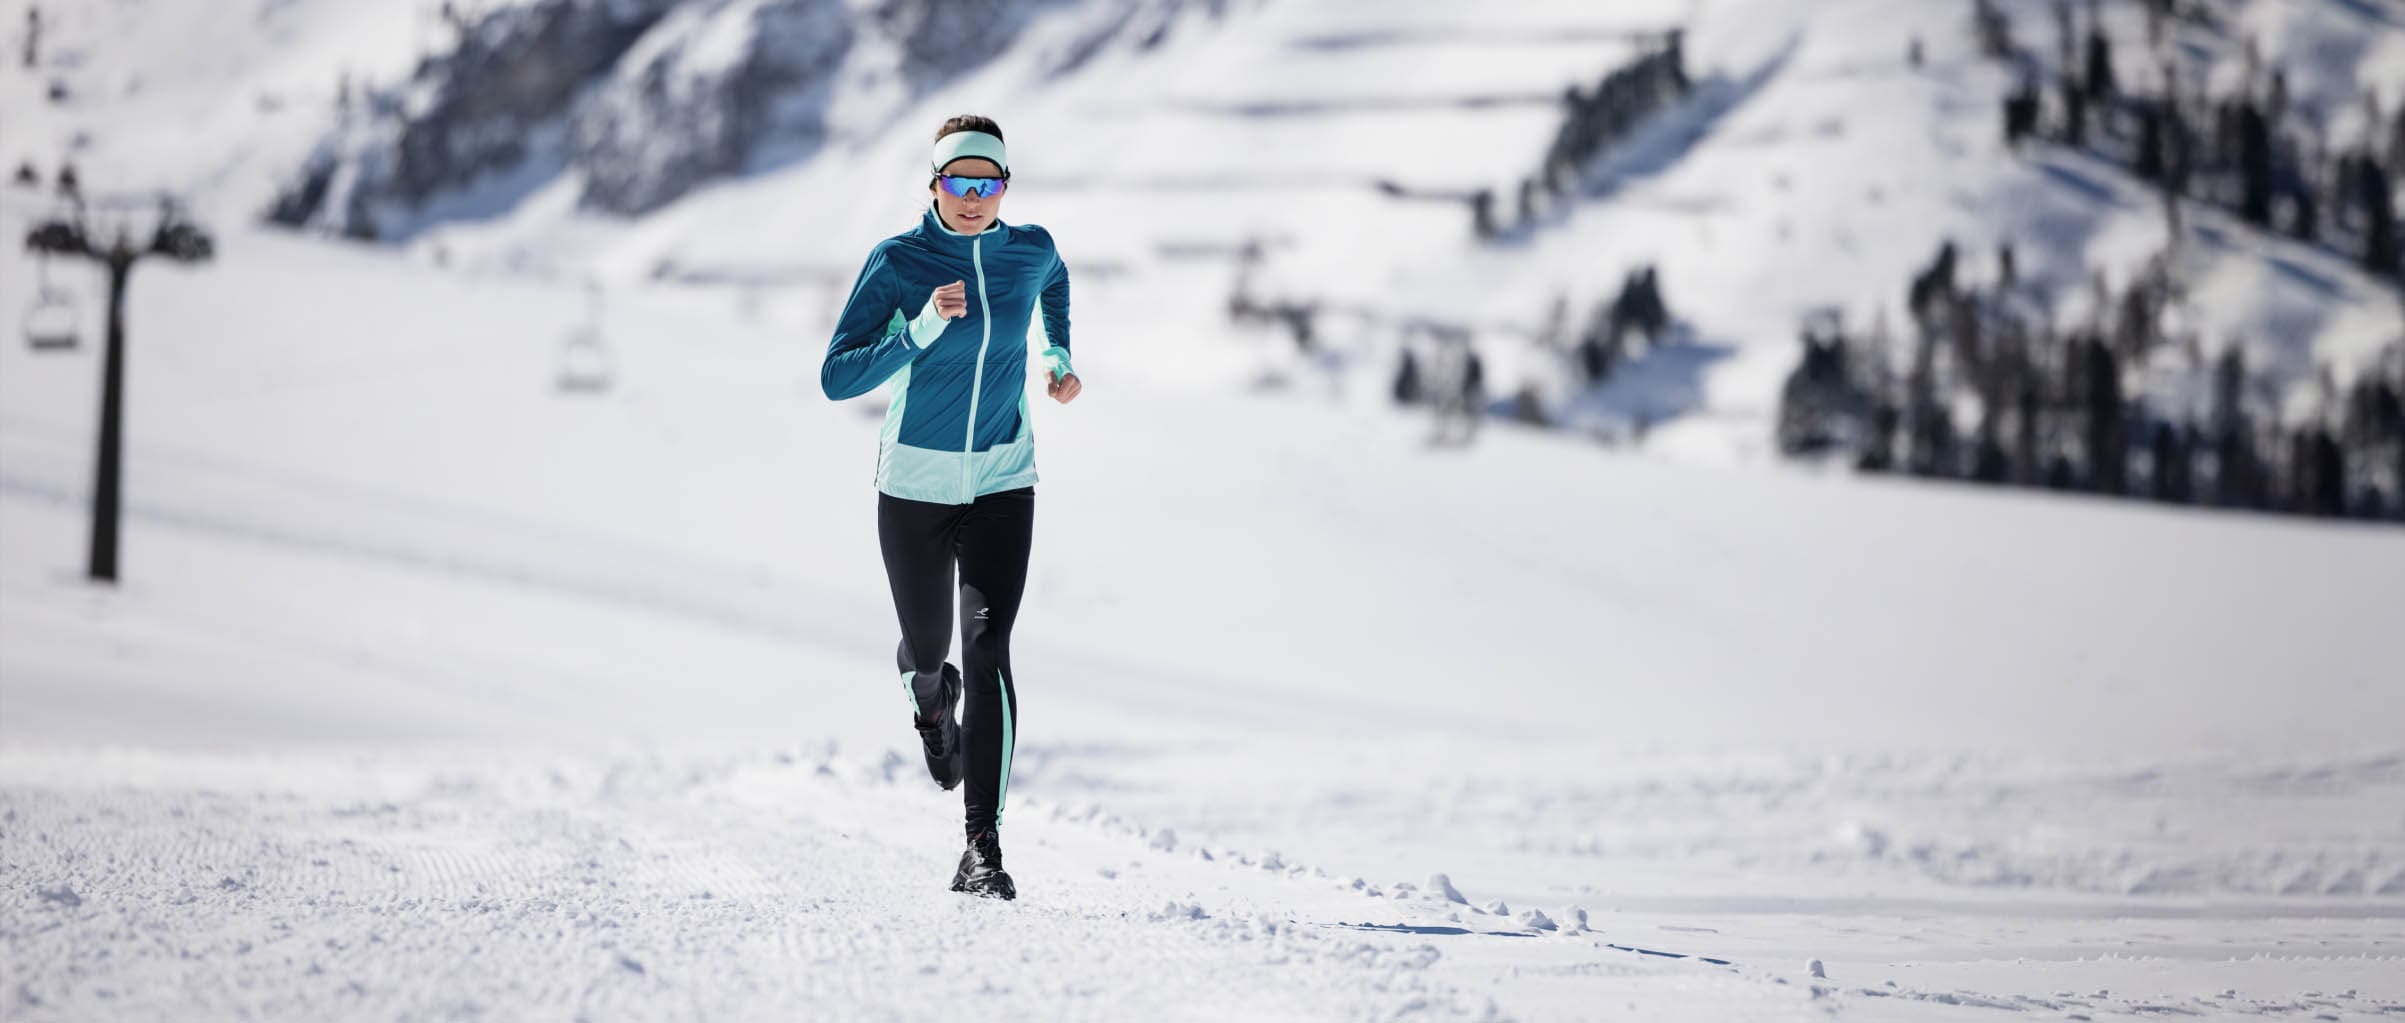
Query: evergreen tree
1407, 386
2170, 456
2100, 83
2380, 255
2254, 159
2107, 451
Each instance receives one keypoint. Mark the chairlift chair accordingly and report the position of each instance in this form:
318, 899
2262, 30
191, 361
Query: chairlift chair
584, 366
51, 322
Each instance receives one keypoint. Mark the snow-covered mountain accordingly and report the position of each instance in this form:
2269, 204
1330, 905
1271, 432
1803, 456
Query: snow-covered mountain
1814, 166
639, 103
502, 629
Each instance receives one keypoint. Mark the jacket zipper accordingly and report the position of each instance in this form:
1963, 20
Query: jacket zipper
968, 446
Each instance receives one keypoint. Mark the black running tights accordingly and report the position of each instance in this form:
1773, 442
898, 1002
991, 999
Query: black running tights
987, 542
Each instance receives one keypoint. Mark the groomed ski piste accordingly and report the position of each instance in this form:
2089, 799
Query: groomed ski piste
434, 692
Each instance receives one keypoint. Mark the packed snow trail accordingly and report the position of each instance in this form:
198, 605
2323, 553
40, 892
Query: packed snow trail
139, 885
148, 887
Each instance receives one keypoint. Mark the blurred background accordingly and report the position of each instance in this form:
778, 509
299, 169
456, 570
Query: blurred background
1891, 506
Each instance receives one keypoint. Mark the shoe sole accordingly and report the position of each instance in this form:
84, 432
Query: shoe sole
958, 760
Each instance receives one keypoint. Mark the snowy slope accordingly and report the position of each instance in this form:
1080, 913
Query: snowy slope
217, 102
433, 691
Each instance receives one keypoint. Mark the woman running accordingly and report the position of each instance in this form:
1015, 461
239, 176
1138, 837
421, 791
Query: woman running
940, 316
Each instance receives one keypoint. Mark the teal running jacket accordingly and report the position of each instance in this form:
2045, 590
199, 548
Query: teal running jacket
957, 427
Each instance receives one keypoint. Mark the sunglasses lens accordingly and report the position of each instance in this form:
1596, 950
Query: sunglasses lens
965, 187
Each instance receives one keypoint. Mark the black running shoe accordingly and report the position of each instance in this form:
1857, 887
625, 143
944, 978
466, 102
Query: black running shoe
939, 727
981, 872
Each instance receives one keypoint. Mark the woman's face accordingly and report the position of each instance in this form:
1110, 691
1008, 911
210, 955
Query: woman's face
971, 213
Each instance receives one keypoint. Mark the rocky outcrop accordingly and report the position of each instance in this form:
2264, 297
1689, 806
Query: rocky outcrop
476, 110
703, 90
645, 100
941, 38
514, 70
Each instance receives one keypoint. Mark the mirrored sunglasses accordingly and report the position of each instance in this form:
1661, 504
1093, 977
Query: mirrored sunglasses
979, 187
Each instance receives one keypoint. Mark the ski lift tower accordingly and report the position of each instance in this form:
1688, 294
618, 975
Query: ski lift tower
103, 230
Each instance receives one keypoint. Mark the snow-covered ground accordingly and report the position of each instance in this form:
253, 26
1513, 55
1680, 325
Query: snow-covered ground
434, 692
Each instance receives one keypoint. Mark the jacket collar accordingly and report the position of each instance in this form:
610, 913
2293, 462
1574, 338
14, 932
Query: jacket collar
933, 229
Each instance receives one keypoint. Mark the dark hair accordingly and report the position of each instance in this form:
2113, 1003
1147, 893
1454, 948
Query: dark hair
969, 122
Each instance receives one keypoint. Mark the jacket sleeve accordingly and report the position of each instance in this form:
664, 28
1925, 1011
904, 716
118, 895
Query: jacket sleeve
1055, 304
872, 339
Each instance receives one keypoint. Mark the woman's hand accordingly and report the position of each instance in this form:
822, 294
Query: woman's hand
1063, 389
952, 300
